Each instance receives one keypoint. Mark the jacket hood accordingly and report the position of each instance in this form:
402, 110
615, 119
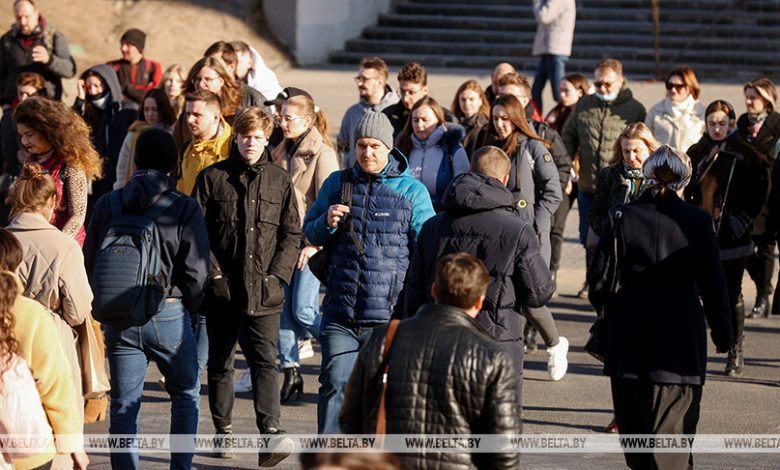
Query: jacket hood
109, 77
472, 192
449, 137
624, 96
388, 99
144, 187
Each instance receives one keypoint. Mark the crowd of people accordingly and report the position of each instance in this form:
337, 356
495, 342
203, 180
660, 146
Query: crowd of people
173, 213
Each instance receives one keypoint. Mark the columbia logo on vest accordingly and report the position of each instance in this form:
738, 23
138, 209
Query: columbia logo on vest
381, 214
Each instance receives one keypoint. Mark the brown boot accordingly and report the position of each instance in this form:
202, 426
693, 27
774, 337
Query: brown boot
95, 409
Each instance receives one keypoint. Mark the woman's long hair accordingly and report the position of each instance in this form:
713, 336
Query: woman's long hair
516, 113
9, 291
229, 95
64, 130
404, 139
164, 108
639, 131
473, 85
319, 118
181, 72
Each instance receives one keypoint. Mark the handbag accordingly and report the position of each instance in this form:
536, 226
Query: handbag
597, 344
93, 360
319, 262
381, 415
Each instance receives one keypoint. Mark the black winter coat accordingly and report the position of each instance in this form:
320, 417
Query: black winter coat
480, 218
254, 229
447, 376
613, 189
746, 194
656, 321
765, 143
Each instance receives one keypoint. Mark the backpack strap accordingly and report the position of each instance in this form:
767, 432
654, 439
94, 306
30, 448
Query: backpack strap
346, 199
115, 198
161, 204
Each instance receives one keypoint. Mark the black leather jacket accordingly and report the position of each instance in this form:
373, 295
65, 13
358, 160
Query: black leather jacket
447, 376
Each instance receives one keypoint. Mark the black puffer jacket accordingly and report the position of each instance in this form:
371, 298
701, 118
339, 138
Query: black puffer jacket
447, 376
254, 229
480, 218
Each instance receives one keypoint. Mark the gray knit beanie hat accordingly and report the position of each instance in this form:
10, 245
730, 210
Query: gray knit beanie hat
375, 126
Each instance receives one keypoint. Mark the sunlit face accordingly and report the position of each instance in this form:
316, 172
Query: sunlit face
151, 113
411, 93
676, 89
634, 152
372, 155
251, 145
569, 93
26, 91
202, 119
293, 122
130, 53
469, 102
26, 17
208, 79
424, 122
607, 81
718, 125
94, 86
174, 85
245, 63
369, 82
753, 102
501, 122
517, 92
32, 141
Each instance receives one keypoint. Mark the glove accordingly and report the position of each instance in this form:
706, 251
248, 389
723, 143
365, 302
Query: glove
740, 224
217, 295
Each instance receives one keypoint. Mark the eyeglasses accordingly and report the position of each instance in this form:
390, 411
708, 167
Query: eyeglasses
285, 118
402, 92
600, 83
676, 86
362, 79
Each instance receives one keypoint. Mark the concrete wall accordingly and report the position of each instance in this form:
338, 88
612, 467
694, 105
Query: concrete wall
314, 28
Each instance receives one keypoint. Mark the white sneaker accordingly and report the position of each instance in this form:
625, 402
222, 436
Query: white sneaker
244, 383
305, 349
557, 363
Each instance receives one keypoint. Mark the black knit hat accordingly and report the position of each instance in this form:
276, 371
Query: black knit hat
156, 150
287, 93
135, 37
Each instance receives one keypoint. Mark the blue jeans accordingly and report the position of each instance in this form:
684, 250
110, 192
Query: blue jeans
168, 340
553, 68
202, 340
584, 201
340, 346
300, 316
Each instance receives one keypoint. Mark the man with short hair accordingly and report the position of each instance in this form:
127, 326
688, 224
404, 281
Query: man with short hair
372, 240
33, 45
254, 229
210, 137
167, 337
480, 217
412, 87
593, 128
252, 70
498, 71
375, 95
136, 73
441, 359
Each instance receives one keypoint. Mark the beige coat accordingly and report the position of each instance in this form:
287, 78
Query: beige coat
677, 124
309, 167
53, 268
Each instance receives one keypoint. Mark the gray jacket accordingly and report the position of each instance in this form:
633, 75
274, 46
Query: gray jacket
533, 180
555, 30
346, 137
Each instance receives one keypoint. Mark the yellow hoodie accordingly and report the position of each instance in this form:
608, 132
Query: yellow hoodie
199, 155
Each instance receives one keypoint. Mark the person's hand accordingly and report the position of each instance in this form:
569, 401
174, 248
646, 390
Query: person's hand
80, 460
336, 213
81, 89
40, 54
306, 253
568, 188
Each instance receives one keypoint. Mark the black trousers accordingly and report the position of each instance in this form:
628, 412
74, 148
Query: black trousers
643, 407
262, 336
761, 265
734, 270
557, 228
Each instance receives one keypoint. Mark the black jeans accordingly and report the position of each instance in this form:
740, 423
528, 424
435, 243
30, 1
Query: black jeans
761, 265
558, 226
734, 270
262, 336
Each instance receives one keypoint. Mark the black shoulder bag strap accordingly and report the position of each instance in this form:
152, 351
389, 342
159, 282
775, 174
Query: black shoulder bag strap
346, 199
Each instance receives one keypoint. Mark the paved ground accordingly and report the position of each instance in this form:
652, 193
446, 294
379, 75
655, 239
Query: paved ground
581, 402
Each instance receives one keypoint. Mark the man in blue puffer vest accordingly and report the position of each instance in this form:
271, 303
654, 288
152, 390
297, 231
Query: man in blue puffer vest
373, 243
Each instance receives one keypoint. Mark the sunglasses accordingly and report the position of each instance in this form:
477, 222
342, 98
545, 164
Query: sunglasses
676, 86
599, 84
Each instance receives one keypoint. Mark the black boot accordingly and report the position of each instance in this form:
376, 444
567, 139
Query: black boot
293, 384
761, 308
735, 362
529, 338
279, 448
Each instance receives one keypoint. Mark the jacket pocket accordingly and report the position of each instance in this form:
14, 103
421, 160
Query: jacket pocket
270, 208
226, 207
273, 292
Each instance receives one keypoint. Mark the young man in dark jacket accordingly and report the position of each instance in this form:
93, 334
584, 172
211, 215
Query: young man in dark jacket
479, 217
255, 231
136, 73
446, 352
167, 338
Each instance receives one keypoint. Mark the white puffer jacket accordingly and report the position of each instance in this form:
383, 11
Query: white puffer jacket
677, 124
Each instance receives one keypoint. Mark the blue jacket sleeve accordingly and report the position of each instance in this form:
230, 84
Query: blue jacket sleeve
315, 224
422, 208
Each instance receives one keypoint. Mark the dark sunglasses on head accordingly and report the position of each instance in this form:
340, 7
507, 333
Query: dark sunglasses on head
676, 86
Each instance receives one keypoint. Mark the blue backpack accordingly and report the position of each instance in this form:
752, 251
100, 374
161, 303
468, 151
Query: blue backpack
128, 281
